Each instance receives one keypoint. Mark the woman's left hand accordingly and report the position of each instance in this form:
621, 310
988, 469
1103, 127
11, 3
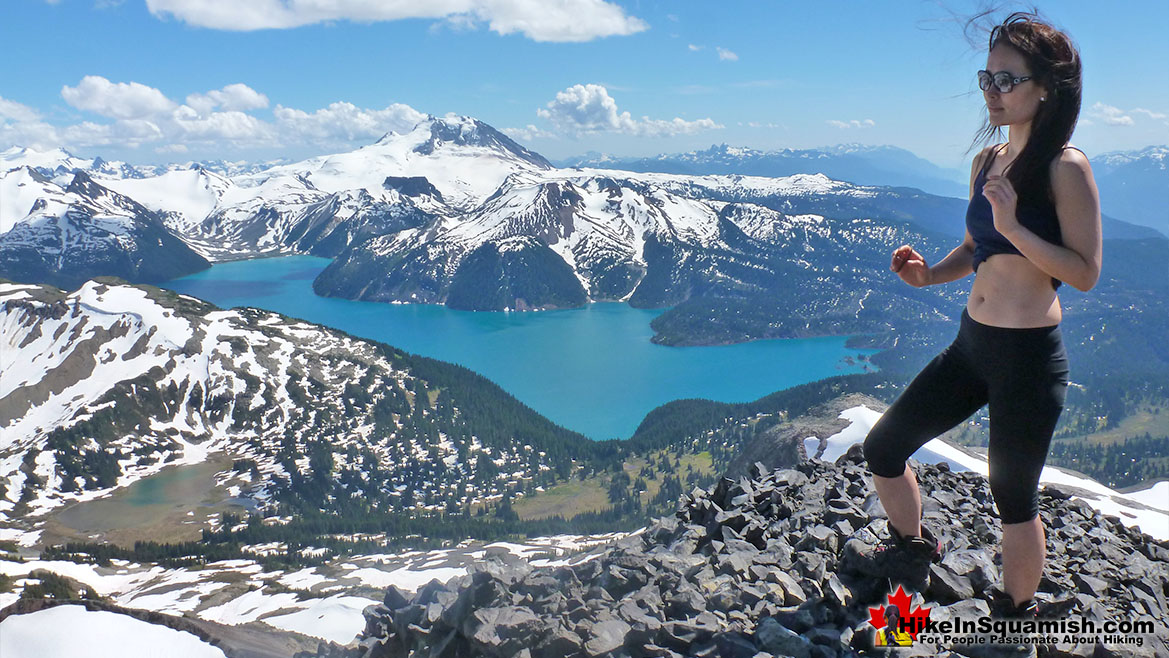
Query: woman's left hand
1003, 202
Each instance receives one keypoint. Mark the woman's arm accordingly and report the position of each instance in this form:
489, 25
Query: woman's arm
957, 264
913, 269
1077, 204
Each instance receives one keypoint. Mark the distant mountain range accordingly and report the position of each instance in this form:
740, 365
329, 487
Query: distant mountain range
455, 212
855, 163
1134, 185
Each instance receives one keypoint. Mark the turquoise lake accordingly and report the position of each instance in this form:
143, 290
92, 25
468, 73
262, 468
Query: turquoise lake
592, 370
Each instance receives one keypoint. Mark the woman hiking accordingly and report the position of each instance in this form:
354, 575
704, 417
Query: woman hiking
1033, 222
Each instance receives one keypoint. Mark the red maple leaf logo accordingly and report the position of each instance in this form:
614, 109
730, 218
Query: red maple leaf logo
912, 621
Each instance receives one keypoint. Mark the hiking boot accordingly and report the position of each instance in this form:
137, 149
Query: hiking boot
899, 558
1002, 606
1019, 643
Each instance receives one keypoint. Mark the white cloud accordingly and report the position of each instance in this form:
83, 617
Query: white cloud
726, 55
539, 20
855, 123
236, 96
693, 48
583, 109
1102, 113
216, 120
345, 122
1113, 116
16, 111
121, 100
238, 127
456, 23
130, 133
561, 20
1156, 116
529, 133
36, 134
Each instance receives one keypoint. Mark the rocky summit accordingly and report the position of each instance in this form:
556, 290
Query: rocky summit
753, 568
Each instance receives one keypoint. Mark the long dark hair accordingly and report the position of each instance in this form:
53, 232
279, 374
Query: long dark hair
1055, 65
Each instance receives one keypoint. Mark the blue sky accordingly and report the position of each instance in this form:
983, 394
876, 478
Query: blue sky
174, 80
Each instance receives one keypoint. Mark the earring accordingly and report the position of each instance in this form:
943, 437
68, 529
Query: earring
1043, 98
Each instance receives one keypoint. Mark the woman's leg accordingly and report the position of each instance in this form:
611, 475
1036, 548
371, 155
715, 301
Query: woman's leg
946, 392
1024, 554
901, 498
1016, 459
1026, 399
942, 395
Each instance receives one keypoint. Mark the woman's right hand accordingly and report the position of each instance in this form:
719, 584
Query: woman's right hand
910, 266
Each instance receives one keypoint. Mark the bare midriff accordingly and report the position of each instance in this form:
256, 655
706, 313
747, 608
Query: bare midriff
1010, 292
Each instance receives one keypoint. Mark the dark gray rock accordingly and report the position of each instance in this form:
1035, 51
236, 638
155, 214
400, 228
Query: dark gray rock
395, 598
948, 587
684, 602
798, 619
793, 594
605, 637
559, 642
772, 637
734, 645
977, 566
756, 561
502, 631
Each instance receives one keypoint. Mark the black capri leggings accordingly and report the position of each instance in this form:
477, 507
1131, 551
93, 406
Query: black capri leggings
1021, 373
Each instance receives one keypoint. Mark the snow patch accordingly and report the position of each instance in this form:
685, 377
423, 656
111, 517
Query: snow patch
95, 634
1152, 519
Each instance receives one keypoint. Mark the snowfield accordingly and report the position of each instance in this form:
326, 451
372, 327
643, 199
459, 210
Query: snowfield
1147, 509
95, 635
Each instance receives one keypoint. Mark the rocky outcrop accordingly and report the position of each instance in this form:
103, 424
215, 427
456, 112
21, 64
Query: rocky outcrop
782, 446
750, 568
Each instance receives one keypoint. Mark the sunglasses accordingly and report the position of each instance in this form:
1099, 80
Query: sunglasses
1003, 81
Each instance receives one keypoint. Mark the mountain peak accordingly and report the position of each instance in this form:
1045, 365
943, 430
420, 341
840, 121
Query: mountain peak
467, 131
19, 156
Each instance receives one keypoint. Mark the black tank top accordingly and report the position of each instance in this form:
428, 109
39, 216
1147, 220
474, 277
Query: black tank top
1040, 219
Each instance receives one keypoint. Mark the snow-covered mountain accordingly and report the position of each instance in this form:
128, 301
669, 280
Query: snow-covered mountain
23, 188
288, 214
455, 212
561, 238
186, 196
82, 230
59, 163
465, 159
46, 162
855, 163
110, 383
1134, 186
